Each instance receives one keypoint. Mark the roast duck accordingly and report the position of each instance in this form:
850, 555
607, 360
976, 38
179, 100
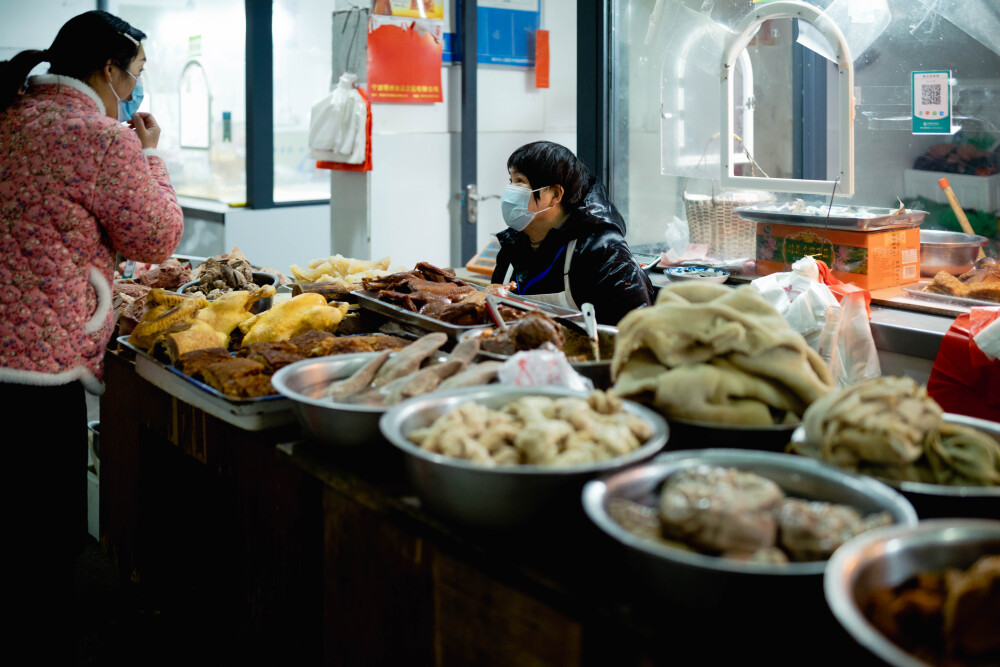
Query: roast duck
438, 293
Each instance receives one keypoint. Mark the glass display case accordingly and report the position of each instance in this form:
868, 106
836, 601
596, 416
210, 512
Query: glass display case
791, 111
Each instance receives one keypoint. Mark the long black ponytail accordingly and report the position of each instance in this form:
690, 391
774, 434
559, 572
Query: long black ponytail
83, 46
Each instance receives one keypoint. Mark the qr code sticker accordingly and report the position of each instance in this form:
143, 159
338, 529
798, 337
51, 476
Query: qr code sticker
930, 93
909, 272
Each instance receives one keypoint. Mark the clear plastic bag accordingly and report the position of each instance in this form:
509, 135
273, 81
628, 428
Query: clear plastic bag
839, 331
542, 368
854, 358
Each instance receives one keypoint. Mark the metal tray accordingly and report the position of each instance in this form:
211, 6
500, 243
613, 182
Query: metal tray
852, 218
369, 300
919, 293
252, 414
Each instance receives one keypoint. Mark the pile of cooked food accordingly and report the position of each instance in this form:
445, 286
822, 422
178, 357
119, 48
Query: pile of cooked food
222, 274
435, 292
741, 515
129, 294
338, 268
943, 618
418, 368
537, 430
248, 374
982, 282
706, 352
176, 323
888, 427
535, 330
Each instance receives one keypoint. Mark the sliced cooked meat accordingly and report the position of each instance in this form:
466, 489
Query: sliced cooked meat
720, 509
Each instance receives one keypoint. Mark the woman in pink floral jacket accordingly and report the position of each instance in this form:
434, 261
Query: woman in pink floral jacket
76, 186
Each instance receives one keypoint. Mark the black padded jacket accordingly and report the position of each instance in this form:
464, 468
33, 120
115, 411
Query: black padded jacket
602, 272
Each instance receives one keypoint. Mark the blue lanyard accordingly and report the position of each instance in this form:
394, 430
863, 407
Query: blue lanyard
544, 273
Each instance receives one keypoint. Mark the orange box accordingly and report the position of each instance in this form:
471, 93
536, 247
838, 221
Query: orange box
871, 260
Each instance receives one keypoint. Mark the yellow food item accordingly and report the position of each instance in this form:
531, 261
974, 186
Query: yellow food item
706, 352
165, 312
293, 317
229, 310
340, 268
198, 336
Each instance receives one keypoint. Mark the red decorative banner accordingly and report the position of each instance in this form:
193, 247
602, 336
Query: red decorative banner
404, 65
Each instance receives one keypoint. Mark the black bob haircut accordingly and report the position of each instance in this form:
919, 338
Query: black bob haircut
83, 46
546, 163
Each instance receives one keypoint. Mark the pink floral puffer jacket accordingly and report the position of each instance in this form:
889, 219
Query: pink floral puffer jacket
75, 186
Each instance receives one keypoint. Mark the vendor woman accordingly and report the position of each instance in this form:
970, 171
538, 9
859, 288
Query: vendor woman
565, 242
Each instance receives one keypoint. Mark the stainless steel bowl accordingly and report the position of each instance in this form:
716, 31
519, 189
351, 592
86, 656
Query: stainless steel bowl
599, 372
952, 252
703, 581
501, 496
889, 556
938, 501
339, 424
260, 278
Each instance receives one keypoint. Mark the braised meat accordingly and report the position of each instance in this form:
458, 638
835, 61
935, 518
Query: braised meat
437, 293
530, 332
814, 530
193, 363
720, 509
238, 378
985, 270
947, 617
274, 356
168, 275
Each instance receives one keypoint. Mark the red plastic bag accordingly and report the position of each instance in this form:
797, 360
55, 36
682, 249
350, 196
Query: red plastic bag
841, 289
963, 380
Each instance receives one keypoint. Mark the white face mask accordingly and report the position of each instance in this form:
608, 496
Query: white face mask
514, 207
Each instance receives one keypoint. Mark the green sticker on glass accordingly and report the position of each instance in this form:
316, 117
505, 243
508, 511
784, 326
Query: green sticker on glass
931, 102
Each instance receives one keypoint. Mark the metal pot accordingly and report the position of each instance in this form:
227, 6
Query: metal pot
937, 500
707, 582
952, 252
339, 424
889, 556
507, 496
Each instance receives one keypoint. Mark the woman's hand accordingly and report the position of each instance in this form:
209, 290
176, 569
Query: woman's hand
146, 127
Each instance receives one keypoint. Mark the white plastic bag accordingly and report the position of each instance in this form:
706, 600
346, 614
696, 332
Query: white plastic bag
855, 358
337, 124
542, 368
807, 304
839, 332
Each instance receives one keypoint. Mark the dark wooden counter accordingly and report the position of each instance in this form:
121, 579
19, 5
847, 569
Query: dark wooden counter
273, 548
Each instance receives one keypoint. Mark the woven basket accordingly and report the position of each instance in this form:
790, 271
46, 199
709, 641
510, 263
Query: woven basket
712, 220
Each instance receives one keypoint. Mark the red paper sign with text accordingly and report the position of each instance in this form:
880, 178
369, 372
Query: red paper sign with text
404, 65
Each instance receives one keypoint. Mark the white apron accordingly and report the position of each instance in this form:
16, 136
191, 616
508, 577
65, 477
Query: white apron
564, 298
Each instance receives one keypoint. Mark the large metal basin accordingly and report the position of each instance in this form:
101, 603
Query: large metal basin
502, 496
339, 424
699, 581
889, 556
952, 252
936, 500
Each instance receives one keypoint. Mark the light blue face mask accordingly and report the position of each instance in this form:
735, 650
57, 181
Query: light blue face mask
127, 108
514, 207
